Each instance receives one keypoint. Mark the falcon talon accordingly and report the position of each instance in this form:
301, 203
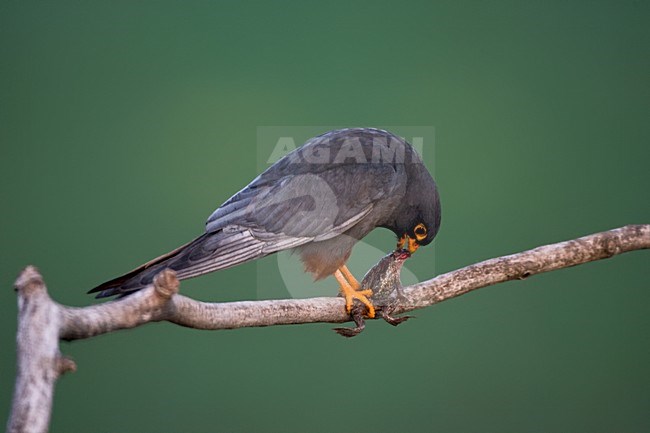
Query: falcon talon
351, 294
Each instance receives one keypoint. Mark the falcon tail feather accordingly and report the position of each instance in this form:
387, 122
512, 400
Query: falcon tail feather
207, 253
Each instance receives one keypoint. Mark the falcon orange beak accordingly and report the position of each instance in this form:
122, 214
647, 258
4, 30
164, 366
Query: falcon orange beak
412, 244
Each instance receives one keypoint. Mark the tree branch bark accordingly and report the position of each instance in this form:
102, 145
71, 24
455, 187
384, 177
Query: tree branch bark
43, 322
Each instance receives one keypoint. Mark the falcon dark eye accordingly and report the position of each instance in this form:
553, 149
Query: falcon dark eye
420, 232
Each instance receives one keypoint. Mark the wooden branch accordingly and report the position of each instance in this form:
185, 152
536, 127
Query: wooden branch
42, 322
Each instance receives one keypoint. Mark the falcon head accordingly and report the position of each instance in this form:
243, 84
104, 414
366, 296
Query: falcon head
418, 217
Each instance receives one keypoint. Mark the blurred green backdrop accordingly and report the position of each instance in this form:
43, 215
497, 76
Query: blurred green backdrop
124, 124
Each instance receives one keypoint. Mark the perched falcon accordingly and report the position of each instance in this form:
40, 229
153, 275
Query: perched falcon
318, 200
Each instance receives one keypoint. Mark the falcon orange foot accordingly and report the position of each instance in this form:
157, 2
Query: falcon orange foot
349, 287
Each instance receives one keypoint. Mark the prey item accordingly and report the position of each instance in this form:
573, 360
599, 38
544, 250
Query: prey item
384, 282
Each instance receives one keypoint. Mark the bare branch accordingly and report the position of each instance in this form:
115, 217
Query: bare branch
38, 355
42, 322
201, 315
147, 305
522, 265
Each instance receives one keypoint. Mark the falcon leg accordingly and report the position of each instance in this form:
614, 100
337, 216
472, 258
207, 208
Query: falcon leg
351, 294
348, 276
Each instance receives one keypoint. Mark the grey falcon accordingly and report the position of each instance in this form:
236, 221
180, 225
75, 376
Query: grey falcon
318, 200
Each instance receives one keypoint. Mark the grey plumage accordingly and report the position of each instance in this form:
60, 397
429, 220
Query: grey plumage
319, 200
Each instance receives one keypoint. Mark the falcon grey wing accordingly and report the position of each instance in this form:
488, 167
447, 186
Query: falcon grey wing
279, 210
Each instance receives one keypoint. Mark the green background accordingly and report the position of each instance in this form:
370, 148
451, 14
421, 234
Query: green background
124, 124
